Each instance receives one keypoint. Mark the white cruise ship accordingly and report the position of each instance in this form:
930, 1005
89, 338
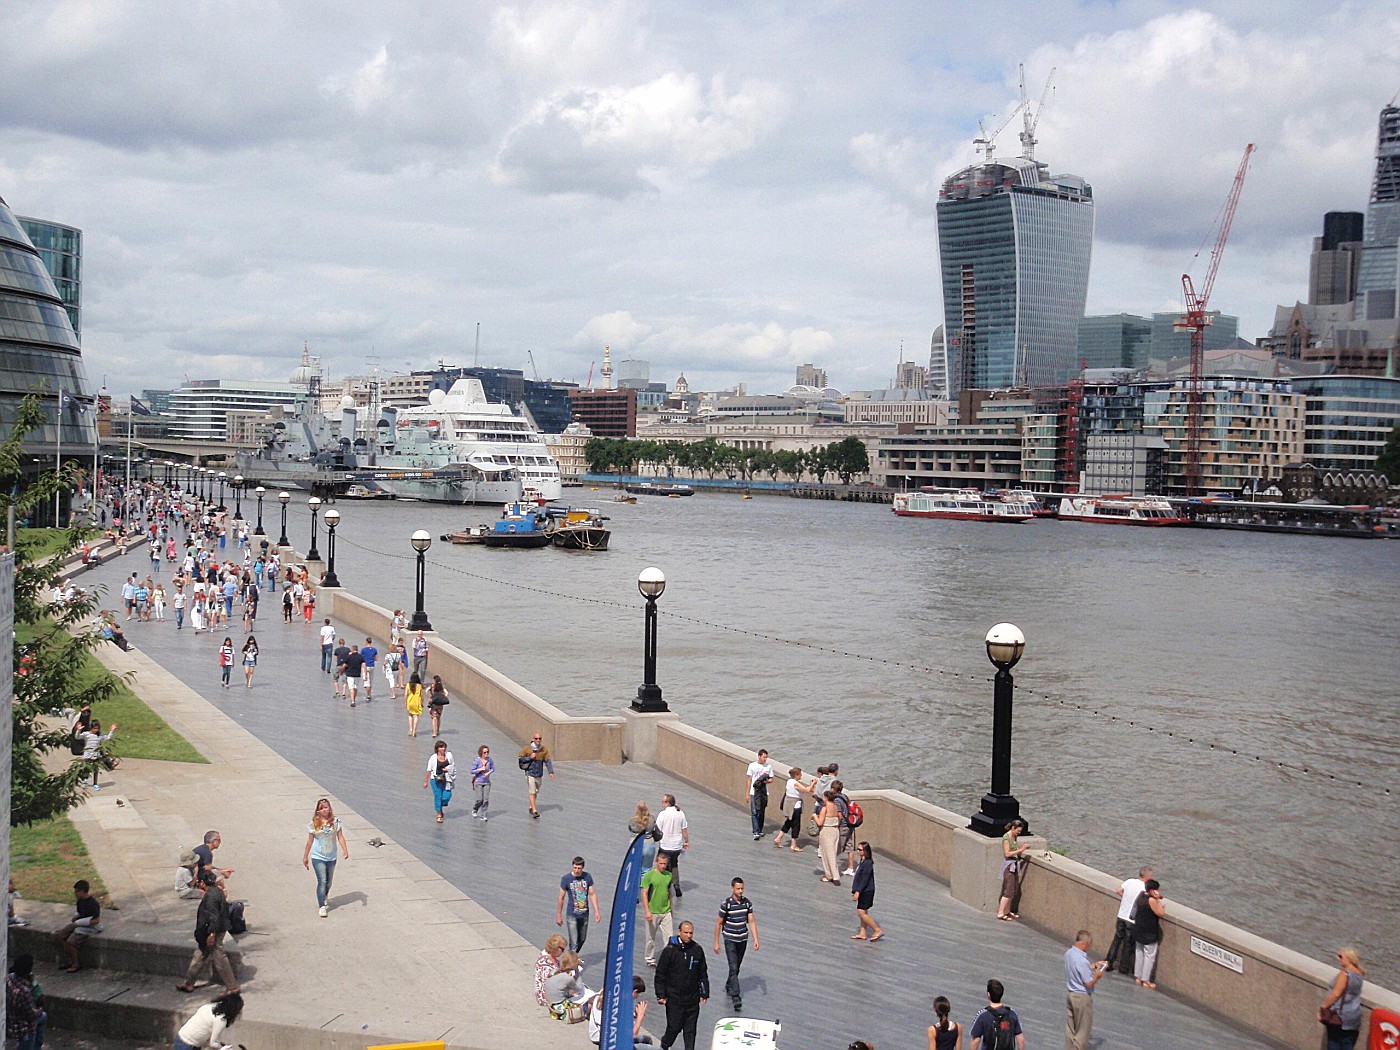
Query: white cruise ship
488, 436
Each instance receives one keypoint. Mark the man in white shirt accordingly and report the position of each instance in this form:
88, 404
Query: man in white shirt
759, 774
675, 836
327, 646
1120, 952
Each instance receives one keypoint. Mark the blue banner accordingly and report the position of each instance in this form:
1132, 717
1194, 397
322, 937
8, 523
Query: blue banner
619, 1011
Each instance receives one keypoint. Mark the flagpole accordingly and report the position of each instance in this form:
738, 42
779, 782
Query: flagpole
126, 493
58, 457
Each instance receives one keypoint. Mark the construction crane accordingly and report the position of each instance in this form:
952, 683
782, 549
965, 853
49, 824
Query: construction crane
534, 367
1196, 321
589, 384
1031, 118
987, 143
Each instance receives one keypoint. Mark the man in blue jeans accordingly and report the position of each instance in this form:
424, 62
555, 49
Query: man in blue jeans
576, 891
735, 925
759, 774
371, 654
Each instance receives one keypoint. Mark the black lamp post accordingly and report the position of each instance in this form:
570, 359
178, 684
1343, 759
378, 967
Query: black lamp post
238, 497
223, 477
315, 504
421, 542
1005, 643
651, 582
201, 484
284, 498
332, 520
168, 466
259, 492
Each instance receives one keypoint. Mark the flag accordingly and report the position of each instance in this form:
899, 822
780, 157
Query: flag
618, 1006
140, 408
67, 401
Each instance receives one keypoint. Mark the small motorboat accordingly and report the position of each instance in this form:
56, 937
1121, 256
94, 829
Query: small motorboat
366, 492
471, 534
521, 526
623, 497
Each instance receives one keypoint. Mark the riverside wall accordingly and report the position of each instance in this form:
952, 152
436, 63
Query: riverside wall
1214, 966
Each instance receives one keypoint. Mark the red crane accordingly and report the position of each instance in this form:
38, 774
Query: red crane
1196, 321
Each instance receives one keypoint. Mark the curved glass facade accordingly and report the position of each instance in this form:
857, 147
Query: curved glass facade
61, 249
1348, 419
39, 350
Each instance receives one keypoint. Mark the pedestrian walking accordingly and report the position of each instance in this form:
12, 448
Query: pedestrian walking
1340, 1012
576, 894
287, 606
682, 986
641, 822
178, 601
828, 821
371, 655
250, 660
437, 700
1080, 977
158, 600
327, 634
945, 1033
420, 656
534, 761
308, 604
338, 655
675, 836
657, 899
759, 774
205, 1030
93, 739
322, 835
1009, 906
1120, 949
1147, 932
792, 804
413, 703
996, 1025
354, 665
863, 893
441, 774
482, 768
734, 926
210, 927
225, 661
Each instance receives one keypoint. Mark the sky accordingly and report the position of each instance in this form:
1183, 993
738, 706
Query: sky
723, 189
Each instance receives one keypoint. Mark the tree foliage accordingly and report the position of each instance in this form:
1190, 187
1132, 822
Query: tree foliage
51, 641
1388, 462
709, 456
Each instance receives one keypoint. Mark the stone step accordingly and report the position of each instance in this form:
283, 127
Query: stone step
136, 948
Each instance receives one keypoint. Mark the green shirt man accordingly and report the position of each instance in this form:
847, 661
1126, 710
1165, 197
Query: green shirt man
656, 904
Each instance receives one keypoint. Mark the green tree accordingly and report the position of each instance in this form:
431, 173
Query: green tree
50, 643
849, 457
819, 462
1388, 462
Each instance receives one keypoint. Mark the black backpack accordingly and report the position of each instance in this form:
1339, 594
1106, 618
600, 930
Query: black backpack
1003, 1033
75, 742
236, 922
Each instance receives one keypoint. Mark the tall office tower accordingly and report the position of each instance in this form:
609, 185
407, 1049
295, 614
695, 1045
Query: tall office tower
1114, 341
39, 351
910, 376
938, 364
1335, 255
1014, 243
632, 372
1376, 277
61, 248
810, 375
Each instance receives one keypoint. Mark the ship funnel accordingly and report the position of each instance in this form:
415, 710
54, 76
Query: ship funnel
387, 426
348, 419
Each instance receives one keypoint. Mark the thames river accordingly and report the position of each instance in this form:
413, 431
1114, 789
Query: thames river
839, 632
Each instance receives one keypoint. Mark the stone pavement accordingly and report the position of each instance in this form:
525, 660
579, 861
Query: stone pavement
511, 869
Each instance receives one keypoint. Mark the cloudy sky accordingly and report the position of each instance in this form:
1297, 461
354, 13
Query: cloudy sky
724, 189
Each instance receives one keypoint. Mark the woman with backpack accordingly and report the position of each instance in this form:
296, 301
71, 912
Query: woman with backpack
225, 661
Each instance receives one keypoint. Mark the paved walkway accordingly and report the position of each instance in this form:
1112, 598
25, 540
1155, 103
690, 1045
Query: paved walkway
511, 868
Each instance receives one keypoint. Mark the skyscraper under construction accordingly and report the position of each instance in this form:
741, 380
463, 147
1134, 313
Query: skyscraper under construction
1378, 274
1014, 243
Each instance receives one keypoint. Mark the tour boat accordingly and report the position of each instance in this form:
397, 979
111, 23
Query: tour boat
960, 505
1121, 510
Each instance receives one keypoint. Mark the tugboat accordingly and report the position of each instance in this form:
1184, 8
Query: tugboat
581, 530
520, 526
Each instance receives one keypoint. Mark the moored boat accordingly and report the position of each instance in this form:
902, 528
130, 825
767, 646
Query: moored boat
581, 530
471, 534
960, 505
520, 526
1121, 510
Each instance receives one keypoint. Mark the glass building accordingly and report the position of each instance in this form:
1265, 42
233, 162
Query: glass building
1347, 419
1014, 243
1377, 274
1114, 341
61, 248
39, 350
1169, 342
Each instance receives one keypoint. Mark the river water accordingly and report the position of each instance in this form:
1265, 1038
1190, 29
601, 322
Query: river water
839, 632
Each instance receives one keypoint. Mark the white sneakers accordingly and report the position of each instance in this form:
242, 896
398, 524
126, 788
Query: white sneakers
322, 912
849, 871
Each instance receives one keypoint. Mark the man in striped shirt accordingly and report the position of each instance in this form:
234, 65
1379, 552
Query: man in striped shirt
735, 923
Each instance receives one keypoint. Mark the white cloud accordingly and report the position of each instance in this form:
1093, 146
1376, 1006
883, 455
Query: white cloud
617, 329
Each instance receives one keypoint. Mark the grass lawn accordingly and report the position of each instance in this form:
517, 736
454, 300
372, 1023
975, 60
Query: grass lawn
46, 859
49, 539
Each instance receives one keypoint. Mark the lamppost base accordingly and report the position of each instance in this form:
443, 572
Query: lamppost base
259, 531
330, 580
419, 622
313, 555
649, 700
992, 818
283, 541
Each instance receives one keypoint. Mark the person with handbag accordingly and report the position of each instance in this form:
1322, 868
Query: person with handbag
1147, 931
1341, 1010
564, 993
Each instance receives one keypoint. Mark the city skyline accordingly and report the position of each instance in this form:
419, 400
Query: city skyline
727, 193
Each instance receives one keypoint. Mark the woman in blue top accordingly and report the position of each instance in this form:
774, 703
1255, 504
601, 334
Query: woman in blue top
322, 834
1345, 999
863, 893
482, 768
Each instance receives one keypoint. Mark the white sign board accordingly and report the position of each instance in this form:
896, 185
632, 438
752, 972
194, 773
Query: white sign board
1217, 954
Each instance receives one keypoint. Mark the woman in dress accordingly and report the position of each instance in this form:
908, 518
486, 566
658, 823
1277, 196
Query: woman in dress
250, 660
437, 700
197, 619
792, 800
482, 768
945, 1034
322, 835
863, 893
1343, 1003
158, 599
205, 1030
641, 821
1147, 932
1007, 909
442, 775
225, 661
828, 822
413, 703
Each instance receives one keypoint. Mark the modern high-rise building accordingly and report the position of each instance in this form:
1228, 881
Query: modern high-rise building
633, 372
1169, 342
811, 375
910, 375
61, 248
39, 351
938, 364
1335, 257
1014, 243
1377, 275
1114, 341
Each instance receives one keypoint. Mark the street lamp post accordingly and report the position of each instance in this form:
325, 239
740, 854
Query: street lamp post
651, 582
1005, 643
315, 504
332, 520
238, 497
168, 466
223, 477
284, 498
421, 542
259, 492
